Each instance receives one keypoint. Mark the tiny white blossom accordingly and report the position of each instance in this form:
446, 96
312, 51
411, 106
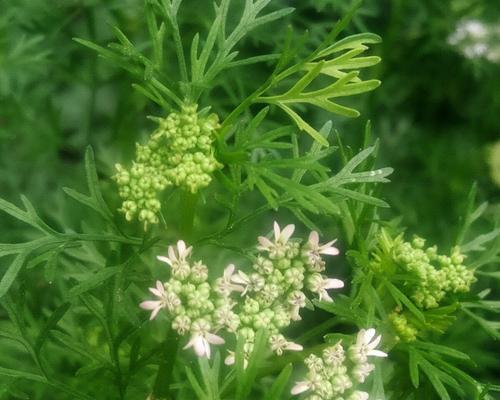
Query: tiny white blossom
155, 305
280, 237
201, 339
362, 371
320, 285
231, 359
358, 395
326, 248
225, 285
365, 346
178, 256
279, 344
253, 282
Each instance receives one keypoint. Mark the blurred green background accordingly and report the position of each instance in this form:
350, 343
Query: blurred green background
437, 112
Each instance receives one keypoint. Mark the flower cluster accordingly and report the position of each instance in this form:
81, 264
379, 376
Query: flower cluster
190, 301
271, 296
433, 276
337, 374
404, 330
178, 153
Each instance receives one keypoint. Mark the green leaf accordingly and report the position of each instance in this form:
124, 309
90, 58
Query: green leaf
246, 376
279, 384
96, 280
11, 273
413, 367
51, 323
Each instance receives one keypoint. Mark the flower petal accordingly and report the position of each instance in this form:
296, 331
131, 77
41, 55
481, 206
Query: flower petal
293, 346
214, 339
301, 387
150, 304
374, 343
229, 271
330, 251
287, 232
230, 359
333, 284
181, 248
171, 254
314, 239
368, 335
164, 259
377, 353
264, 242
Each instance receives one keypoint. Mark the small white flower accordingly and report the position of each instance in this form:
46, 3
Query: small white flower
320, 285
201, 338
280, 237
365, 346
254, 282
280, 344
225, 285
326, 248
178, 256
297, 300
155, 305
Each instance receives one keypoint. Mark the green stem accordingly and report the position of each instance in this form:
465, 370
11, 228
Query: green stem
188, 208
168, 355
171, 344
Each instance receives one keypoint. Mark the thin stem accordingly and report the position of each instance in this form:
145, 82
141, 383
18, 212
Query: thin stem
168, 354
188, 208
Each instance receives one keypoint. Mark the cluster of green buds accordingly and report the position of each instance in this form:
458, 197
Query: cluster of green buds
433, 276
404, 330
194, 308
271, 296
179, 153
337, 373
268, 299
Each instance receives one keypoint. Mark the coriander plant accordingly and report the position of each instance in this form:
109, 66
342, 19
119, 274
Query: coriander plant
163, 291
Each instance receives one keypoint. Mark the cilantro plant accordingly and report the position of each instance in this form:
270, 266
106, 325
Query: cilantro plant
244, 251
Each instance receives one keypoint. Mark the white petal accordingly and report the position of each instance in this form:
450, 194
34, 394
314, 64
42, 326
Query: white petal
155, 291
324, 296
207, 348
264, 242
214, 339
314, 239
330, 251
164, 259
171, 254
181, 247
155, 313
368, 335
228, 271
375, 342
150, 304
287, 233
277, 231
300, 387
293, 347
199, 346
160, 287
377, 353
333, 284
230, 359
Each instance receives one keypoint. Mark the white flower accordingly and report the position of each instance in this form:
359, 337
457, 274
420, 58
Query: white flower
176, 257
254, 282
224, 285
280, 237
280, 344
155, 305
365, 346
297, 300
326, 248
201, 339
320, 285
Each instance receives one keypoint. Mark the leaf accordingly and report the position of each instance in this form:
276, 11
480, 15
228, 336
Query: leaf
400, 297
413, 367
440, 349
51, 323
29, 216
279, 384
96, 280
11, 273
